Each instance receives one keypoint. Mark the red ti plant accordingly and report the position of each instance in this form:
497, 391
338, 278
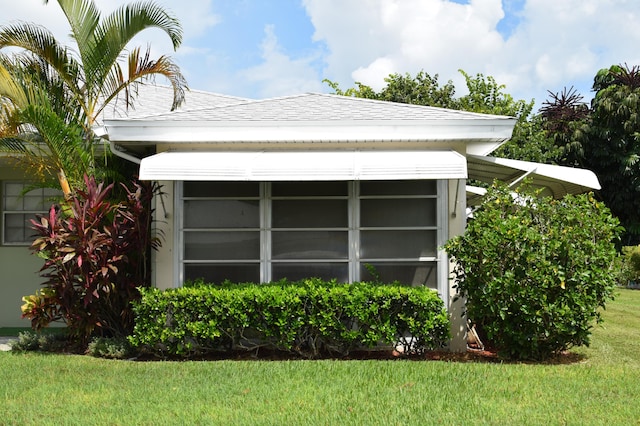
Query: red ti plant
96, 256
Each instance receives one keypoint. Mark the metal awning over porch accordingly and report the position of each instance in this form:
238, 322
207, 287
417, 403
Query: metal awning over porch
303, 165
555, 181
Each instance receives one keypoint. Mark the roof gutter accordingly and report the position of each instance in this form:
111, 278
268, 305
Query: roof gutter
101, 132
119, 152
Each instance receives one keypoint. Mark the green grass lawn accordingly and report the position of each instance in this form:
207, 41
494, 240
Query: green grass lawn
601, 387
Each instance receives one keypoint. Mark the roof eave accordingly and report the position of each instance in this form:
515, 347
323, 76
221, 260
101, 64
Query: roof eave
494, 131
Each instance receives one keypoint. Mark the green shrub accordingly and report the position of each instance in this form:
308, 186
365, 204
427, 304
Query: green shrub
534, 271
96, 257
310, 318
110, 347
630, 265
45, 342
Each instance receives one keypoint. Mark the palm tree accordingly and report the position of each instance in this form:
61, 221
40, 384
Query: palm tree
40, 126
51, 95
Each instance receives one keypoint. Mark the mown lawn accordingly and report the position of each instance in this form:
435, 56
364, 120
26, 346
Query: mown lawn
600, 387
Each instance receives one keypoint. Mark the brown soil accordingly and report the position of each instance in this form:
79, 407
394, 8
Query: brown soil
471, 355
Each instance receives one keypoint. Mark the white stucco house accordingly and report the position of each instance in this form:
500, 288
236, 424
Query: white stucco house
298, 186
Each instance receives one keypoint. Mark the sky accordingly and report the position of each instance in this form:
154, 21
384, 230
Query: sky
270, 48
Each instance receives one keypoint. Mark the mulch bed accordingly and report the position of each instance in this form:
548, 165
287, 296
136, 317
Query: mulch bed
471, 355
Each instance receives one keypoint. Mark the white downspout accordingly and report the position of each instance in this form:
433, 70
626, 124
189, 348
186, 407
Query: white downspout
101, 132
119, 153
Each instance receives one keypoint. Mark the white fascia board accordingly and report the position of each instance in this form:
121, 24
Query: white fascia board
493, 131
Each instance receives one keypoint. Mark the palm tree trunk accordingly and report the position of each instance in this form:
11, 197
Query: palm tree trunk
64, 184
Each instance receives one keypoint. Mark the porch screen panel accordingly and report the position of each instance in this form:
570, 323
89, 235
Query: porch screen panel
414, 273
221, 231
266, 231
310, 230
219, 272
398, 231
398, 244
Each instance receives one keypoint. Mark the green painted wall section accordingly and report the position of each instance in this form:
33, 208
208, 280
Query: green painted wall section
18, 267
18, 277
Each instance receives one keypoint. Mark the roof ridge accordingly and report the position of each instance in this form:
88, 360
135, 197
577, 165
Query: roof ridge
313, 106
403, 104
243, 101
188, 89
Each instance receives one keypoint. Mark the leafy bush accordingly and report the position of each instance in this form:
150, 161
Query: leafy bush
630, 265
96, 257
310, 318
45, 342
534, 271
110, 347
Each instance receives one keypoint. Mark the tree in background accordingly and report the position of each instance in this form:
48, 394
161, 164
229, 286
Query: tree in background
611, 143
485, 95
57, 93
604, 138
422, 89
563, 116
529, 141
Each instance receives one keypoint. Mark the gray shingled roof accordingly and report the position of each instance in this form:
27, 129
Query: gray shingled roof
314, 107
154, 99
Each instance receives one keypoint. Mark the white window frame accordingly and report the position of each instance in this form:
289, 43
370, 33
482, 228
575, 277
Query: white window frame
45, 194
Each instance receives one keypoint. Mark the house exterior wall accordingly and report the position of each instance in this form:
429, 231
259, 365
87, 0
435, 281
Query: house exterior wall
457, 224
19, 276
163, 269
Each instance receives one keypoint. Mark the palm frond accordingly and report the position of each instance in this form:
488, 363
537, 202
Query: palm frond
128, 20
10, 88
62, 141
142, 67
40, 42
50, 95
83, 17
115, 32
12, 145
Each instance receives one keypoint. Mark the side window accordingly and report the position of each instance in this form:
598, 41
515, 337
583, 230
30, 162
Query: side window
18, 208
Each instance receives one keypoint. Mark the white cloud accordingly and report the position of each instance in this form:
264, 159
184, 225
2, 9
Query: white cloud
279, 74
195, 19
555, 43
552, 44
369, 41
564, 43
33, 11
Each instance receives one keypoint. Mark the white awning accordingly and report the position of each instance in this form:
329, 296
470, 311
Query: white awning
556, 181
303, 165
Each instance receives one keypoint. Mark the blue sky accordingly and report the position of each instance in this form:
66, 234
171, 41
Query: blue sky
262, 48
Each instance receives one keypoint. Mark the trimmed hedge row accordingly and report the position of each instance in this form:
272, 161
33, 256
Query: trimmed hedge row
310, 318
